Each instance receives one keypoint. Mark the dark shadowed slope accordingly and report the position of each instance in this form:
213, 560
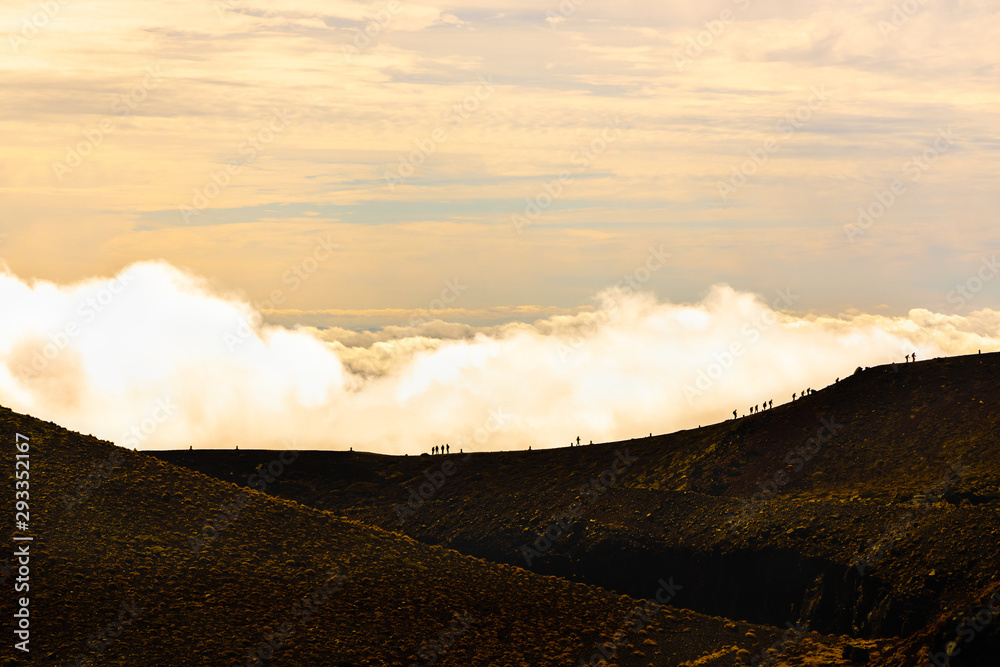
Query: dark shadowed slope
877, 506
130, 575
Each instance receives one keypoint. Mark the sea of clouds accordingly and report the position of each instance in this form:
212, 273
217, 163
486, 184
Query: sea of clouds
157, 358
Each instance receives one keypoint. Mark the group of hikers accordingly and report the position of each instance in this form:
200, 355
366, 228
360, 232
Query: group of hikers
440, 449
766, 405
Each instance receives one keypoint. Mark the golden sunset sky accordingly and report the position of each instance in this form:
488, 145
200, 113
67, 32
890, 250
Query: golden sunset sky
118, 115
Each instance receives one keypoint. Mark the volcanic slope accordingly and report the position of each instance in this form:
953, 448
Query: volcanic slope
868, 508
124, 570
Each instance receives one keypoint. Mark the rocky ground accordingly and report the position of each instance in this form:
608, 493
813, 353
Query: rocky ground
858, 525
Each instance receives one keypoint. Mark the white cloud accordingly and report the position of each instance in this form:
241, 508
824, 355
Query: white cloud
97, 356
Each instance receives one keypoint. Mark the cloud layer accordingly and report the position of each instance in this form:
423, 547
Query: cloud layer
157, 357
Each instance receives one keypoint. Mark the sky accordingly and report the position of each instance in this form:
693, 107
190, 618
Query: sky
394, 188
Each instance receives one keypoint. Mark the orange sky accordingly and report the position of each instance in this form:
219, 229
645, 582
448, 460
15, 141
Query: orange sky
237, 137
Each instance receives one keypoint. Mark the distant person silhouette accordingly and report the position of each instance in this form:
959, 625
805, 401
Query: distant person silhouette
578, 440
793, 396
770, 404
914, 356
434, 449
734, 414
447, 448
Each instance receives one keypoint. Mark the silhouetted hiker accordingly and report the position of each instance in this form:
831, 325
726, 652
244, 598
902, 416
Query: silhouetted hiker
734, 414
190, 448
793, 396
434, 449
578, 440
914, 356
770, 404
907, 358
591, 442
447, 448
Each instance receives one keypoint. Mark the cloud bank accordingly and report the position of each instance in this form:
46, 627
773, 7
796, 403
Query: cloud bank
158, 358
